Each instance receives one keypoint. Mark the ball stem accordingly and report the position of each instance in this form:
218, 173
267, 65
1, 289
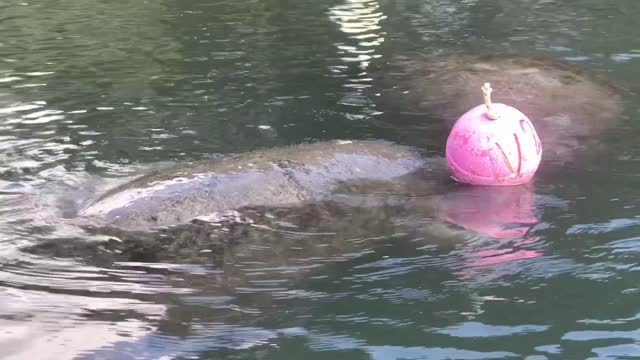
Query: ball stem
486, 91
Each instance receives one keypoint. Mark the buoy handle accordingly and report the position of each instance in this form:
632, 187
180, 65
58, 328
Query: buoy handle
486, 91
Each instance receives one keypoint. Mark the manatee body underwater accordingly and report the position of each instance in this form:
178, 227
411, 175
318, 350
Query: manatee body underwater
254, 204
568, 104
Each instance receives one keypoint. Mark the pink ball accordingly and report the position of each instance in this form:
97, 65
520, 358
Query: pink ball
504, 151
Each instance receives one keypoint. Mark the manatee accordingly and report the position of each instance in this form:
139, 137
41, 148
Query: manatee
567, 103
270, 177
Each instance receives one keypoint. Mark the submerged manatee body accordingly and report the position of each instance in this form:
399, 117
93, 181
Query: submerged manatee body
272, 177
566, 103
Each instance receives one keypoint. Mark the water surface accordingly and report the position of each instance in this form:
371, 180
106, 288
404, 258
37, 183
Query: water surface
92, 92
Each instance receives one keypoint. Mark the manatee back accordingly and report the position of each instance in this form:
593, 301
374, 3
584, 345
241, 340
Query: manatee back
273, 177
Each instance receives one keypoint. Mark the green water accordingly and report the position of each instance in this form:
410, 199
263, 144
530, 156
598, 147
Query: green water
95, 90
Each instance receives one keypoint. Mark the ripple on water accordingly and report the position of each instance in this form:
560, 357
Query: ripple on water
204, 337
70, 276
402, 296
37, 324
608, 227
616, 351
476, 329
330, 342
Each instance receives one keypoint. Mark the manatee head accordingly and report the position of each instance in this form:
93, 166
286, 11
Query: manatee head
567, 104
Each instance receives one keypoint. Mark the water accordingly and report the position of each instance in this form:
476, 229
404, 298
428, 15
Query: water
93, 92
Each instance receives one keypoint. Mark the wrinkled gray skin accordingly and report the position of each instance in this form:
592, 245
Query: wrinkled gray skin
272, 177
567, 104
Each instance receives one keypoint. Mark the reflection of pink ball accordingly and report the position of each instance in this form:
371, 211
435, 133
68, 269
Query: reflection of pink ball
505, 151
501, 212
